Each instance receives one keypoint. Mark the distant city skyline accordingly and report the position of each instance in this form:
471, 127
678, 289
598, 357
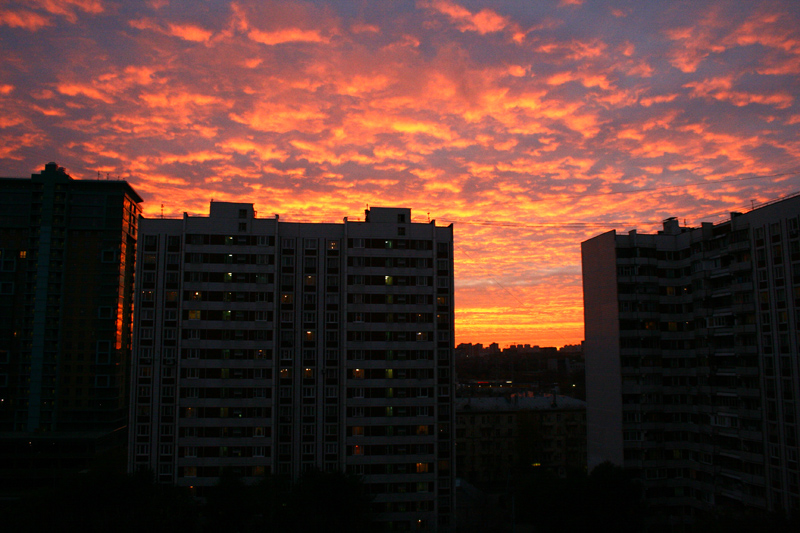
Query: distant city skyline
530, 126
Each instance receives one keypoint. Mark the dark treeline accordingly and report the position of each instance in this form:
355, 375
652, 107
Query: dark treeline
608, 498
110, 501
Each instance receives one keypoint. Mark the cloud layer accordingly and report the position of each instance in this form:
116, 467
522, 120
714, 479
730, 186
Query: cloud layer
530, 125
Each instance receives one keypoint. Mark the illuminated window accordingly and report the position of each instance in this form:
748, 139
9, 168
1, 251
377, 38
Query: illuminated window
358, 431
422, 468
308, 373
358, 373
358, 450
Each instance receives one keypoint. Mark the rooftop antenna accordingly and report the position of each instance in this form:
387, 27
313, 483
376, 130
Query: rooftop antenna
752, 204
162, 210
98, 174
429, 217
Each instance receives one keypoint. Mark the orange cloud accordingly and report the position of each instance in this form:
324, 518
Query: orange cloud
484, 21
287, 35
190, 32
79, 89
68, 8
24, 19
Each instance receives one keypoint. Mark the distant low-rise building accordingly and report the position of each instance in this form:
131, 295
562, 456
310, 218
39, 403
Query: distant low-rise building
496, 436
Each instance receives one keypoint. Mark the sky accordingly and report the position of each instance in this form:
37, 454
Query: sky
530, 125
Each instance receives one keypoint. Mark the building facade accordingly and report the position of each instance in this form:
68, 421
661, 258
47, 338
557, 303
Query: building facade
270, 347
67, 251
692, 360
498, 437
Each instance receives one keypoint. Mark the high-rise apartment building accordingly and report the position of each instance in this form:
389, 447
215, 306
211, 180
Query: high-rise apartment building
67, 250
691, 351
270, 347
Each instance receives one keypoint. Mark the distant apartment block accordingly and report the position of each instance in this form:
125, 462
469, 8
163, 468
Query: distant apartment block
271, 347
692, 360
497, 437
67, 250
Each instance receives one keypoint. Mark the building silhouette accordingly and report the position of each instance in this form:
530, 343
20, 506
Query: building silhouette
265, 347
67, 250
692, 361
499, 437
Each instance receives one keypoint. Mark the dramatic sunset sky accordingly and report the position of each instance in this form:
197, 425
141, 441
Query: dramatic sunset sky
531, 125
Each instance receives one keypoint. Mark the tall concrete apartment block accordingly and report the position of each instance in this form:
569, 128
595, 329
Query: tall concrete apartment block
692, 371
271, 347
67, 250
